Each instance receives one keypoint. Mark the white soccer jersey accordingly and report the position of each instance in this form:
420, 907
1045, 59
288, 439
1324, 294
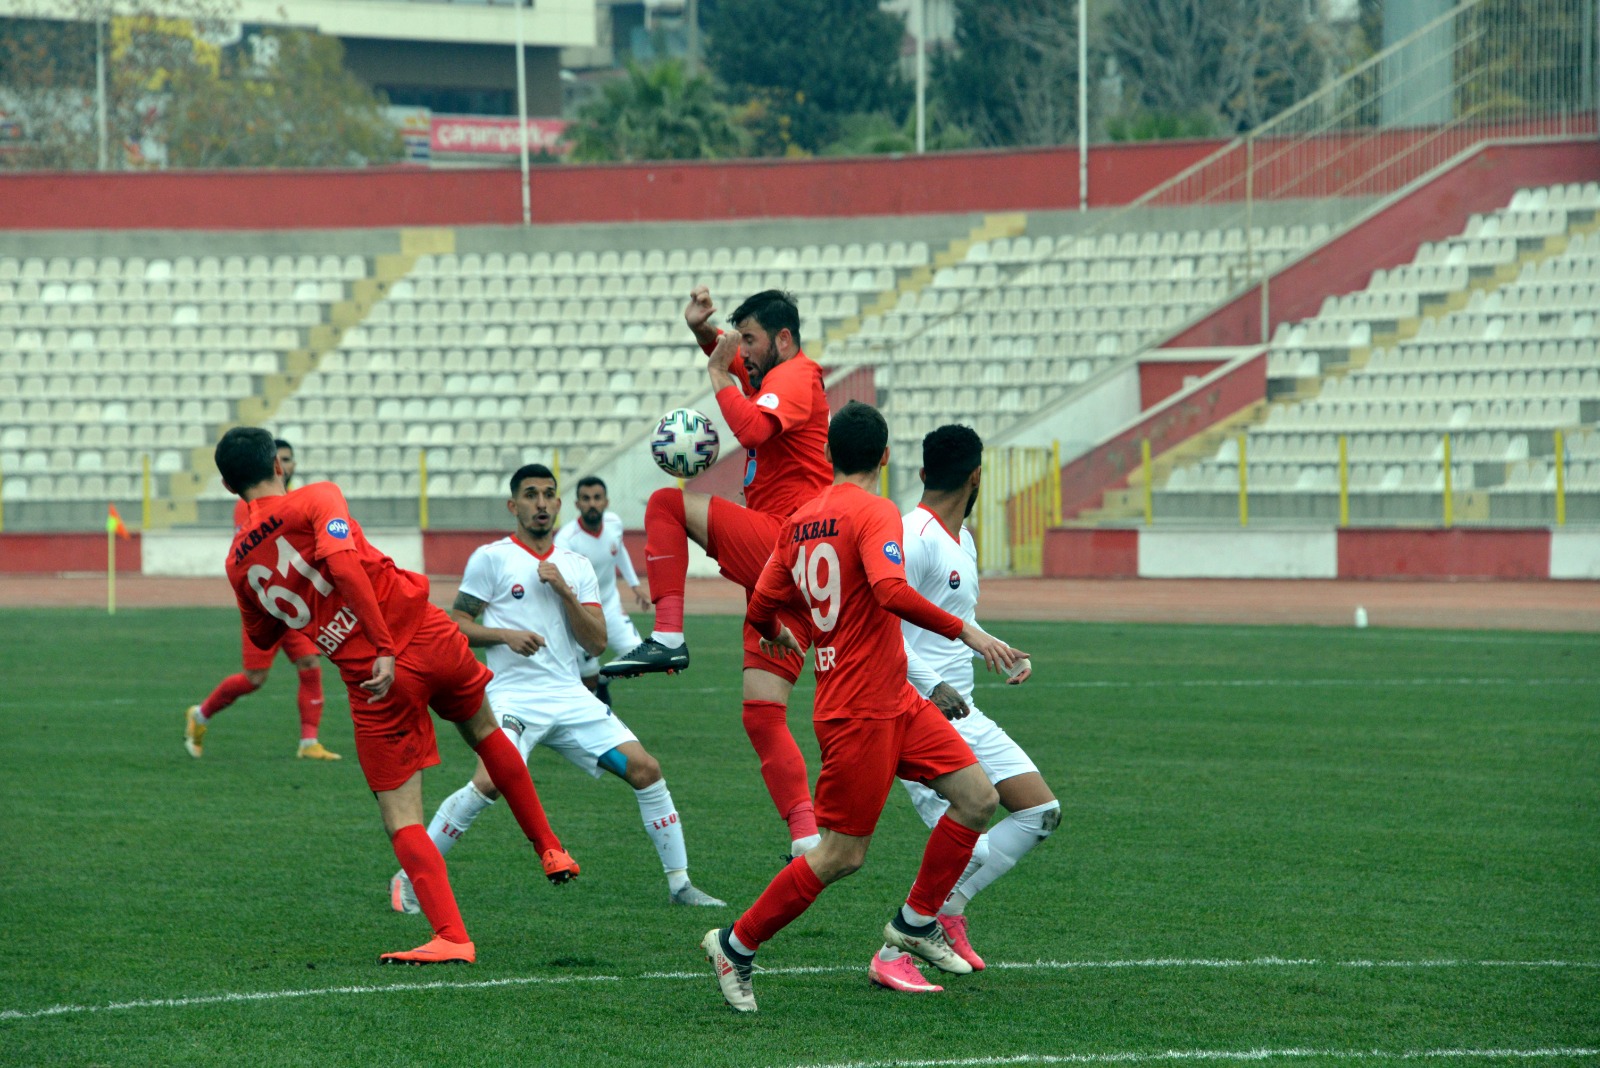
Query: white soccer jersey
944, 569
604, 551
504, 575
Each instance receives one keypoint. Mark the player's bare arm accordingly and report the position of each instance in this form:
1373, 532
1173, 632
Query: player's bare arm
996, 654
466, 610
588, 622
698, 315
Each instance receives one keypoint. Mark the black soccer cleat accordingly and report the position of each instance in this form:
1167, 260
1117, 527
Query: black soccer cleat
647, 657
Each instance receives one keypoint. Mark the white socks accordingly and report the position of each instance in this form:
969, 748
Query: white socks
661, 823
1009, 841
455, 816
672, 639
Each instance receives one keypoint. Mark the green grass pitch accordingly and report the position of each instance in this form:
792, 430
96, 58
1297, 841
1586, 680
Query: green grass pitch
1291, 844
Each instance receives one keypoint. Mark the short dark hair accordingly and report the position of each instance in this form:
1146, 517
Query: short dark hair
774, 309
245, 457
527, 471
857, 437
949, 456
279, 443
591, 480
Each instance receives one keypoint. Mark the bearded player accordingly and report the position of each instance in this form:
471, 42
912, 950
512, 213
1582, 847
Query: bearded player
595, 534
301, 564
770, 394
258, 664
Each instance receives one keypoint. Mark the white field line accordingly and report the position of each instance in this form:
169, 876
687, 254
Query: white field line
568, 980
1226, 1056
1287, 684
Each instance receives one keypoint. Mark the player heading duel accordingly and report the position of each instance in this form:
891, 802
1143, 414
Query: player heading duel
300, 563
841, 554
770, 394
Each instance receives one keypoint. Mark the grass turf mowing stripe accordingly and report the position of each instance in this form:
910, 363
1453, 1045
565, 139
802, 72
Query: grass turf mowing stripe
568, 980
1228, 1056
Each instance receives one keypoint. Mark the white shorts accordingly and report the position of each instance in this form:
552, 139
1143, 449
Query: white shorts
621, 637
998, 755
582, 729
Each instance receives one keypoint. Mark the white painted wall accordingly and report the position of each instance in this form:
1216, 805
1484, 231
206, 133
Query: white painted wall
1575, 554
1238, 554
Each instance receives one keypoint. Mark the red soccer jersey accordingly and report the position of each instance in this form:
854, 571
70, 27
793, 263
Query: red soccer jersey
788, 468
834, 550
277, 567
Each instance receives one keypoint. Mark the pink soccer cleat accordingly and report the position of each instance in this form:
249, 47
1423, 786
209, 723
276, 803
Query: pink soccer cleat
955, 932
900, 974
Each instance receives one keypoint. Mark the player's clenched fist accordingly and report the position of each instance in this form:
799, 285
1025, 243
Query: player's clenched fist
522, 642
550, 575
723, 355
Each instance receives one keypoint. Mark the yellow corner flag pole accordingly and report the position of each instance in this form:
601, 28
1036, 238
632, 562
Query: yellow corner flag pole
114, 529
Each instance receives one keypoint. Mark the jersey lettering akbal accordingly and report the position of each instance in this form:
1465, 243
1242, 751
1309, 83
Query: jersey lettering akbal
789, 468
504, 575
944, 569
605, 552
832, 552
275, 566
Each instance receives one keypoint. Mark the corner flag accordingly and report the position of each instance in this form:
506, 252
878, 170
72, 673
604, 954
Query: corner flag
114, 524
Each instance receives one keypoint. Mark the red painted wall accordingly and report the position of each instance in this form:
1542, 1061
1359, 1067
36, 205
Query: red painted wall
1085, 480
399, 196
1392, 237
1453, 553
1080, 552
445, 552
1160, 379
51, 553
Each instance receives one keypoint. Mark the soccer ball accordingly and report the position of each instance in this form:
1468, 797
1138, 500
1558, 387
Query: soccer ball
685, 443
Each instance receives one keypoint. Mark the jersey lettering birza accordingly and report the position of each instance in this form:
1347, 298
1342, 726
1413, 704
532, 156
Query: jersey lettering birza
832, 552
788, 468
274, 566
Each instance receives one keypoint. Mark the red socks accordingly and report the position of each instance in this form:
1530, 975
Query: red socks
782, 765
227, 692
421, 861
510, 776
784, 899
945, 858
310, 702
666, 556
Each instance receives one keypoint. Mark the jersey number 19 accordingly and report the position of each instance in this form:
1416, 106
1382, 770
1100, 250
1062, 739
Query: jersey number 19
819, 589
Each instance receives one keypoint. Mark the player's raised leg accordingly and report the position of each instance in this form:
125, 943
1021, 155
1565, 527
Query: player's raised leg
671, 517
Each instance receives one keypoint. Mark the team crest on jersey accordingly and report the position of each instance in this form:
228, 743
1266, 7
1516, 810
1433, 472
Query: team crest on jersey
891, 549
767, 400
517, 591
339, 528
955, 580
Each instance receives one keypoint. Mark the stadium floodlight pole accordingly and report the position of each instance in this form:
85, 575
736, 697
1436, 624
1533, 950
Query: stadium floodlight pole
522, 114
1083, 105
922, 76
100, 91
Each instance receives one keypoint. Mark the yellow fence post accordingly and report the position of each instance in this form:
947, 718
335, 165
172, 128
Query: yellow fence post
144, 496
1244, 485
1561, 479
422, 489
1449, 492
555, 466
1344, 481
1144, 467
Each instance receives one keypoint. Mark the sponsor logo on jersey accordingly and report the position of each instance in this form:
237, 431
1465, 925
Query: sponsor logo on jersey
255, 537
955, 579
517, 591
891, 549
339, 528
768, 401
821, 528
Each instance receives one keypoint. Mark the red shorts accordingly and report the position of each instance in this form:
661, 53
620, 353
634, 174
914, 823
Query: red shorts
861, 758
295, 645
394, 736
740, 541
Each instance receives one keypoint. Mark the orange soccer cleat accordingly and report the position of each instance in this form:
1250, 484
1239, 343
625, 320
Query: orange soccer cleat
438, 951
559, 867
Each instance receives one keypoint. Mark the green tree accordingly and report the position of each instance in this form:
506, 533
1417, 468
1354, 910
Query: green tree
800, 66
285, 100
658, 112
1012, 78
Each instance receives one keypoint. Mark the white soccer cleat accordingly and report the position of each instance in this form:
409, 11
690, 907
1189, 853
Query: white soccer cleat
691, 894
930, 945
732, 977
402, 895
